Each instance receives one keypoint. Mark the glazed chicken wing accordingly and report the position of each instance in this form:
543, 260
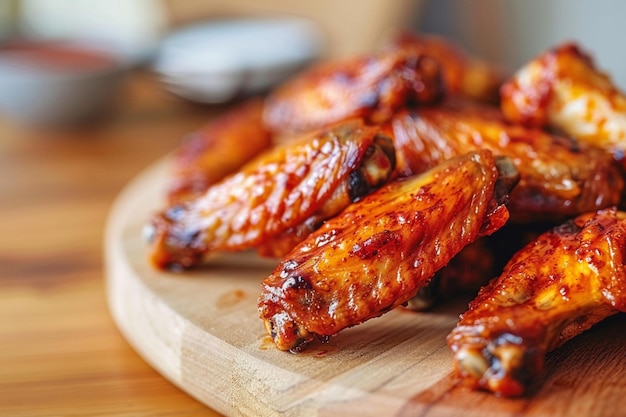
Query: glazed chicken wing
218, 149
462, 73
370, 87
553, 289
560, 178
564, 90
380, 251
319, 174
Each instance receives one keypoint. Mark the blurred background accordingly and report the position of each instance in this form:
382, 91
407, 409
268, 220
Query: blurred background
513, 32
505, 31
348, 26
213, 64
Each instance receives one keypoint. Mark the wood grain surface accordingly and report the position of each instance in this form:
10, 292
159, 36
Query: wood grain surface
60, 352
201, 330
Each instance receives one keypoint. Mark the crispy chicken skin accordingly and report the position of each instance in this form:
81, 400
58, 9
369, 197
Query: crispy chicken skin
370, 87
553, 289
218, 149
360, 183
462, 73
562, 89
380, 251
560, 178
318, 175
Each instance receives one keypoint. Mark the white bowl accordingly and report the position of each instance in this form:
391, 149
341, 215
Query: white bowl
58, 82
216, 61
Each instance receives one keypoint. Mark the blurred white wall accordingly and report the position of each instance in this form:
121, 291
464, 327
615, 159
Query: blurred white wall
132, 24
512, 32
7, 18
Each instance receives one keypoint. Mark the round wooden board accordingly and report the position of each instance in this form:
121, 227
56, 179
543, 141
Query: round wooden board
201, 330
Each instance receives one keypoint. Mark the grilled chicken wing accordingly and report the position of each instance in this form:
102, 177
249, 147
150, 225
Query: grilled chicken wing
360, 183
218, 149
318, 175
380, 251
462, 74
563, 89
560, 178
556, 287
370, 87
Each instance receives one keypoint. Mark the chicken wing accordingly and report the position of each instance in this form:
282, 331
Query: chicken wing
218, 149
560, 178
462, 73
357, 186
380, 251
553, 289
563, 89
273, 193
370, 87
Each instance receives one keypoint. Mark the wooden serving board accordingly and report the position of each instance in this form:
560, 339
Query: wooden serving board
201, 330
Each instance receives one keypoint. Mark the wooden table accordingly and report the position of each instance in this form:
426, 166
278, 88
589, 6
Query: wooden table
60, 352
